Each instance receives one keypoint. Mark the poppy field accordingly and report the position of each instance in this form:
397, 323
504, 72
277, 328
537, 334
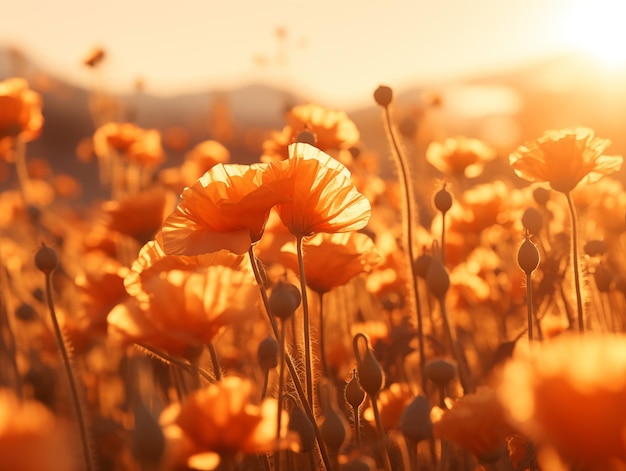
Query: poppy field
305, 311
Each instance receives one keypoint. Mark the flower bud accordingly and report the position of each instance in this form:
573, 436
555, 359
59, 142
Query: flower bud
300, 423
437, 279
595, 248
532, 220
415, 421
541, 195
440, 371
353, 393
307, 137
421, 264
383, 95
25, 312
267, 353
528, 256
46, 259
371, 374
284, 300
443, 200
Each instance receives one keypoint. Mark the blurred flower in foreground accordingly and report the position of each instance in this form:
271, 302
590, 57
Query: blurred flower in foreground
332, 260
564, 158
319, 195
220, 422
31, 438
569, 393
459, 156
185, 310
129, 141
20, 113
476, 421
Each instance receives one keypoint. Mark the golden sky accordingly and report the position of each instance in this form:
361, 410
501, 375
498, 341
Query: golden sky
335, 51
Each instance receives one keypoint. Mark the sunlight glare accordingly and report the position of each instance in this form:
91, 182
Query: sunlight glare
597, 29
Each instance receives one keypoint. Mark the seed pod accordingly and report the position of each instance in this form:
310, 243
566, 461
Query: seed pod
532, 220
383, 95
300, 423
371, 374
443, 200
440, 371
528, 256
421, 264
437, 278
415, 421
354, 394
267, 353
306, 137
46, 259
284, 300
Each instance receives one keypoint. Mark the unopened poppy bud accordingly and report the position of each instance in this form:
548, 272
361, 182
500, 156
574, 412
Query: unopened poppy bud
421, 264
415, 423
267, 353
383, 95
306, 137
147, 440
300, 423
355, 152
371, 374
443, 200
25, 312
440, 371
284, 300
437, 279
528, 256
603, 278
541, 195
334, 428
532, 220
46, 259
595, 248
353, 393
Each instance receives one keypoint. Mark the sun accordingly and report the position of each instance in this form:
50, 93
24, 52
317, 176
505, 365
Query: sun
597, 28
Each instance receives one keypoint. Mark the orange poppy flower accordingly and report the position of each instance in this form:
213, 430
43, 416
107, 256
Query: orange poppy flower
391, 404
221, 420
333, 130
227, 208
20, 113
319, 195
185, 310
460, 156
569, 393
129, 141
564, 158
476, 421
31, 436
332, 260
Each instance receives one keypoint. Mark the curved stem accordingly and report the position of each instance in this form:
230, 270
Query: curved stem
70, 375
408, 239
308, 361
579, 298
289, 362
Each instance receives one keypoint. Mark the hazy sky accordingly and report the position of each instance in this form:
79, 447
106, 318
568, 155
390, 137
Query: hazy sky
337, 51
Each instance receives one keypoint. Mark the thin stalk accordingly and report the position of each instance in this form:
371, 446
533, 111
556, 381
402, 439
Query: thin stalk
381, 434
215, 361
322, 337
411, 446
408, 239
579, 298
281, 386
456, 351
82, 425
529, 306
20, 168
289, 361
168, 359
308, 361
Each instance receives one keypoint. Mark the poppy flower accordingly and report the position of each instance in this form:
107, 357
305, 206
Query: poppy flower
459, 156
221, 419
20, 113
227, 208
332, 260
130, 142
565, 157
476, 422
391, 404
319, 194
569, 393
184, 309
31, 436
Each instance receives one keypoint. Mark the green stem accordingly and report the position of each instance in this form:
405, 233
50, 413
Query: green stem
70, 375
308, 361
408, 239
579, 298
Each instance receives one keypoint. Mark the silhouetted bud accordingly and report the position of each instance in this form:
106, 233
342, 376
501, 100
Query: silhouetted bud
383, 95
353, 393
421, 264
541, 195
371, 374
267, 353
528, 256
300, 423
25, 312
415, 421
440, 371
46, 259
284, 300
443, 200
355, 152
532, 220
595, 248
437, 279
306, 137
603, 277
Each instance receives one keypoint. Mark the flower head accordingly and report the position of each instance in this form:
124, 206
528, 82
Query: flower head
564, 158
460, 156
129, 141
20, 113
